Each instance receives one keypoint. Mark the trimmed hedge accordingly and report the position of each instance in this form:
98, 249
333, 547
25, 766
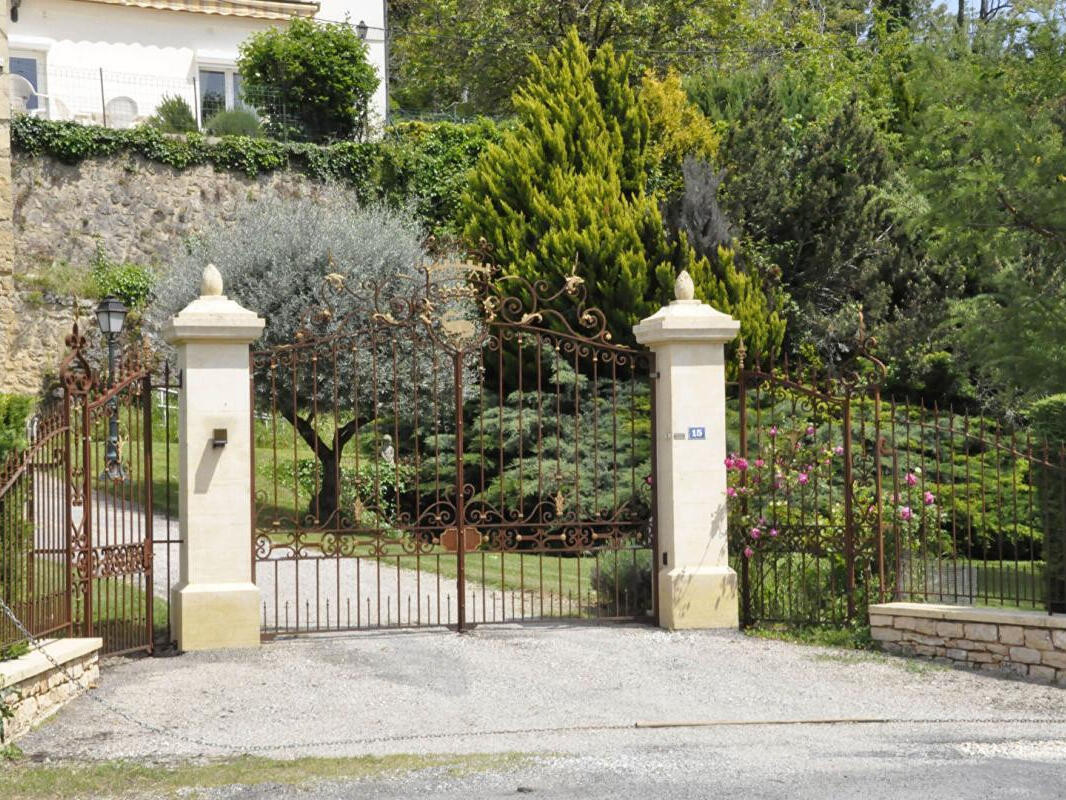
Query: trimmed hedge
419, 162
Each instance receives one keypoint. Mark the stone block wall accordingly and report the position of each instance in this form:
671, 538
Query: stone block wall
34, 689
1029, 644
135, 210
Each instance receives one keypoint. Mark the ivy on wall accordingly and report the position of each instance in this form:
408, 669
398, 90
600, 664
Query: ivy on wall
426, 162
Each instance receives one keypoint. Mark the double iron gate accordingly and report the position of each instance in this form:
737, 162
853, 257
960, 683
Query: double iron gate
448, 449
84, 507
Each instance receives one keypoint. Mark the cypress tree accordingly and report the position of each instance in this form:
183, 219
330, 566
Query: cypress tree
565, 190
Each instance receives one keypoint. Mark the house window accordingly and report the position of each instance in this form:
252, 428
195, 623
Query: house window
212, 93
28, 67
220, 90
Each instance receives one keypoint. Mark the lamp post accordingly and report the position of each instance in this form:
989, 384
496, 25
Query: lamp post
361, 29
110, 316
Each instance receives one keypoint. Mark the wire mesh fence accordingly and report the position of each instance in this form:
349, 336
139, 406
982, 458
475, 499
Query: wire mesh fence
119, 100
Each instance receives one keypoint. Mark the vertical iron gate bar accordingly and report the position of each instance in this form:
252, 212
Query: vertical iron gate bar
878, 489
149, 513
460, 510
653, 376
251, 464
745, 574
849, 510
86, 556
68, 512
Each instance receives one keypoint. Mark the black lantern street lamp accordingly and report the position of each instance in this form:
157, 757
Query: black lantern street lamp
110, 316
361, 29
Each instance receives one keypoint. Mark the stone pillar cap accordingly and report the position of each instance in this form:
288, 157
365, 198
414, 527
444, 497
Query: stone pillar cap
214, 317
687, 321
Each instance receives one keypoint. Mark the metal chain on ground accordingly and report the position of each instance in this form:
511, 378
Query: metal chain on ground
171, 733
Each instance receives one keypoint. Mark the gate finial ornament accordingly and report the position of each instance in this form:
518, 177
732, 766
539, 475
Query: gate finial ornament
211, 283
684, 289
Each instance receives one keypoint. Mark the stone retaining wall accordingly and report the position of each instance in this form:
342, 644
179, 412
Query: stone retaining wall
33, 689
1030, 644
135, 210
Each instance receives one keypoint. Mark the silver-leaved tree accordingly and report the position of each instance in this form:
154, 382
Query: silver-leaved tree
328, 364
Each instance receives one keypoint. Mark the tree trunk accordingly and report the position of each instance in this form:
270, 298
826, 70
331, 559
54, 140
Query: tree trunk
324, 506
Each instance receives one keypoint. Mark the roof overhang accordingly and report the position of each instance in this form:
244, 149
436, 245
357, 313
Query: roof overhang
259, 9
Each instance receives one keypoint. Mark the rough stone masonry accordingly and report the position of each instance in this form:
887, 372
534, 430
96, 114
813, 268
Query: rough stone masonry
1029, 644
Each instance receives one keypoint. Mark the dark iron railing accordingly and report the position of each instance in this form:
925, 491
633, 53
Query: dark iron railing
841, 498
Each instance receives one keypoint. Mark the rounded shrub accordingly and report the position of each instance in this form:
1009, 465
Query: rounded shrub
237, 122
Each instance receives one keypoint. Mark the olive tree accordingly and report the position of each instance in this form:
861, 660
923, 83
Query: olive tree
320, 273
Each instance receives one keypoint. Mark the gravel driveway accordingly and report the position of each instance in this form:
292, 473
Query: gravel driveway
438, 691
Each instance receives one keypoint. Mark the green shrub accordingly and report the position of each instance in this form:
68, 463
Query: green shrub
1048, 418
15, 409
237, 122
318, 73
173, 115
623, 581
367, 493
131, 283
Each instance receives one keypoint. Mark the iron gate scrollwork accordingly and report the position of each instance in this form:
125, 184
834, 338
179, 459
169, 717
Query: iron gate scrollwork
448, 447
79, 519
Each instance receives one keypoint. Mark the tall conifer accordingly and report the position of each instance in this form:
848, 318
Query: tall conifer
566, 189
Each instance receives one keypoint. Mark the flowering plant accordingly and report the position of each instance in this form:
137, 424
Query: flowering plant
794, 484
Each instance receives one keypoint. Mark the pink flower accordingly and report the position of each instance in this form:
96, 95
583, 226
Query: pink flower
911, 479
772, 532
730, 462
731, 492
803, 478
810, 430
647, 480
748, 552
742, 464
760, 463
929, 498
905, 513
839, 450
755, 533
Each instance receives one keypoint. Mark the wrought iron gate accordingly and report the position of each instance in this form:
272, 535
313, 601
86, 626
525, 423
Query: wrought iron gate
452, 450
78, 511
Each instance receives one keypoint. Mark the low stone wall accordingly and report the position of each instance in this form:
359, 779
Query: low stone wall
33, 689
1029, 644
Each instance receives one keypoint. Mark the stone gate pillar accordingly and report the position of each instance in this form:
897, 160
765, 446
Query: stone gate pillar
697, 588
215, 604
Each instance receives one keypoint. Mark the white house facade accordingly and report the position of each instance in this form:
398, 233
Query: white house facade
112, 61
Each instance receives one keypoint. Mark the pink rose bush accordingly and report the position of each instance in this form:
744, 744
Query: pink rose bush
795, 481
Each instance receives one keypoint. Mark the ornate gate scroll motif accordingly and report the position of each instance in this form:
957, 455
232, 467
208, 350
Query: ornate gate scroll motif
449, 448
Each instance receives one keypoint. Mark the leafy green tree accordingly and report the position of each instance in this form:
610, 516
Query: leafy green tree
313, 75
985, 155
471, 55
814, 199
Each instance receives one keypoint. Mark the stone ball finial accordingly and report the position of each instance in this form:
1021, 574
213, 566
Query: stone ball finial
684, 288
211, 284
